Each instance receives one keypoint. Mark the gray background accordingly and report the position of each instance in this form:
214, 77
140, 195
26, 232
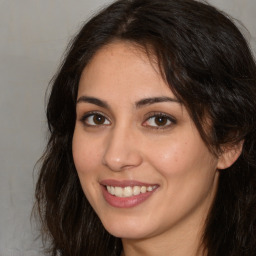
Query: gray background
33, 36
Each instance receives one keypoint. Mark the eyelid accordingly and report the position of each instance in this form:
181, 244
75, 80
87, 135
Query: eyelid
91, 113
159, 114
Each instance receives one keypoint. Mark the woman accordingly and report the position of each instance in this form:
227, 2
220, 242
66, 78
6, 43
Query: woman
152, 136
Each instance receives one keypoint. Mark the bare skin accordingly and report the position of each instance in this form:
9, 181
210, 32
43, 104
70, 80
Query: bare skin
131, 129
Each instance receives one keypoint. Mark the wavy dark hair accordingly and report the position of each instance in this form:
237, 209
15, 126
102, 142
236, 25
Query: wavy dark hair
208, 65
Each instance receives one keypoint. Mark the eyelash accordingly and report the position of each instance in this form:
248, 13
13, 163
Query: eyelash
85, 118
169, 119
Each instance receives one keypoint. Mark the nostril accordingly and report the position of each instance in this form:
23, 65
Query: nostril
124, 163
121, 152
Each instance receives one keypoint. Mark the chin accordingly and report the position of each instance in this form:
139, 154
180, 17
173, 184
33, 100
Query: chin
127, 230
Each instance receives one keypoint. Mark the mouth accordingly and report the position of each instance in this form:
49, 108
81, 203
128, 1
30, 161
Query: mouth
129, 191
126, 194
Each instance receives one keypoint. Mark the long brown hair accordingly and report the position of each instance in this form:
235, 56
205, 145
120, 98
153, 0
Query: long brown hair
208, 65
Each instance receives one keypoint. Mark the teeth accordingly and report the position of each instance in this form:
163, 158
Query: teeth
136, 190
143, 189
129, 191
112, 190
150, 188
109, 189
118, 192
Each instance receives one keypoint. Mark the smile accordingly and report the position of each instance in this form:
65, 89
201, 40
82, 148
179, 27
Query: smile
129, 190
127, 193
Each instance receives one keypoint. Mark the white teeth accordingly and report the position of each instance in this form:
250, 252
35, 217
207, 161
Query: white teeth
150, 188
136, 190
118, 191
112, 191
129, 191
143, 189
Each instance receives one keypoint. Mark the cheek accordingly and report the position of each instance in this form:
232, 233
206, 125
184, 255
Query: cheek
167, 157
171, 155
182, 158
85, 160
85, 154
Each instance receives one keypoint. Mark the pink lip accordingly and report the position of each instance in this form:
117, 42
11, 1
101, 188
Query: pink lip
124, 202
124, 183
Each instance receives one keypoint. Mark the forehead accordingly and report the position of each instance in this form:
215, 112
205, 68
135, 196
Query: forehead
123, 67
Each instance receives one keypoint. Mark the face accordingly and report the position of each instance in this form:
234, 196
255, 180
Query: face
140, 159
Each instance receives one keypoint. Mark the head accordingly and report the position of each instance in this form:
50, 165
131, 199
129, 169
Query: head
202, 61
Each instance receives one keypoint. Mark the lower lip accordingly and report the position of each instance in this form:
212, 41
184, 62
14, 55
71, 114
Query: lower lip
125, 202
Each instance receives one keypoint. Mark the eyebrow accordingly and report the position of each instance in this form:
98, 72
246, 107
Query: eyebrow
138, 104
92, 100
150, 101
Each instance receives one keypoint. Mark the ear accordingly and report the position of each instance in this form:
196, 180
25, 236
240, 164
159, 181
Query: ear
229, 155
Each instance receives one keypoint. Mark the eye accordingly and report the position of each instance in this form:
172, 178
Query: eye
159, 121
95, 119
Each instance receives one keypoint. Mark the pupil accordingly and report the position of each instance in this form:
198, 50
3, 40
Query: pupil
161, 120
98, 119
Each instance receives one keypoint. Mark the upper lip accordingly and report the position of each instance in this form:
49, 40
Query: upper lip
124, 183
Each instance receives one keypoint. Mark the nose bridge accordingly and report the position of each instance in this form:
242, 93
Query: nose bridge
122, 151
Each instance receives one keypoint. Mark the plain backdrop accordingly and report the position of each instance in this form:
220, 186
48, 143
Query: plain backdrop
33, 37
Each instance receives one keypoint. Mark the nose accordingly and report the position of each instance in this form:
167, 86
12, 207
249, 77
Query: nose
122, 151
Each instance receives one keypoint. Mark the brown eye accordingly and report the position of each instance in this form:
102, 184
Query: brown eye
159, 121
95, 120
99, 119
